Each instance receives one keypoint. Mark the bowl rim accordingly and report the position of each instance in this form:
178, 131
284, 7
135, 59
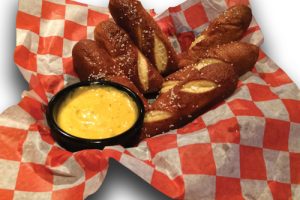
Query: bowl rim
67, 90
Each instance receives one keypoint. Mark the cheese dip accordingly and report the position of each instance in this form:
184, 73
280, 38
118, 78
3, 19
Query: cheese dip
97, 112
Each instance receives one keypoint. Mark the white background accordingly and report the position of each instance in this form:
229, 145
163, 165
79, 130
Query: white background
279, 21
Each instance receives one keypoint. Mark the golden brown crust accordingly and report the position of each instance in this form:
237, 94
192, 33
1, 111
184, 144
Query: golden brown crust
189, 97
92, 61
242, 56
156, 128
194, 68
227, 27
146, 34
187, 58
127, 56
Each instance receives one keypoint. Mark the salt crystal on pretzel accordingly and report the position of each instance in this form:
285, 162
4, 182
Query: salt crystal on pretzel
242, 56
146, 34
128, 57
227, 27
90, 60
176, 106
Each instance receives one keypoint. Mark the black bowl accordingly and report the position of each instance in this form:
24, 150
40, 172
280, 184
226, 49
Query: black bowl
73, 143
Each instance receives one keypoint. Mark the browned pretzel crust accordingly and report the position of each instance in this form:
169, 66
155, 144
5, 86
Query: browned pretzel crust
146, 34
227, 27
92, 61
174, 107
242, 56
187, 73
127, 56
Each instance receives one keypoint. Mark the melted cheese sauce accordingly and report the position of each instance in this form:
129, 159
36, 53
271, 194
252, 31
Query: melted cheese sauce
97, 112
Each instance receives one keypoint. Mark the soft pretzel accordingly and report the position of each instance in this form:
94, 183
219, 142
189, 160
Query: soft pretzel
188, 72
146, 34
227, 27
174, 107
92, 61
128, 57
241, 55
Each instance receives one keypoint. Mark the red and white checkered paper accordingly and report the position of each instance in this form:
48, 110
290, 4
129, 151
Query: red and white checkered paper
247, 147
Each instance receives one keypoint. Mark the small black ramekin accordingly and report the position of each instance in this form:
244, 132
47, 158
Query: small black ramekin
73, 143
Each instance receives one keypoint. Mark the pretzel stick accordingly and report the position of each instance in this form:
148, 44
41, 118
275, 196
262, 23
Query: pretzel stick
227, 27
176, 106
92, 62
128, 57
146, 34
241, 55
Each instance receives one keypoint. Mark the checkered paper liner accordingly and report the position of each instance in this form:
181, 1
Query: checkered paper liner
247, 147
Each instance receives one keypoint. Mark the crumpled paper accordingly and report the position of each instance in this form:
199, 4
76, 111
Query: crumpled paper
246, 147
